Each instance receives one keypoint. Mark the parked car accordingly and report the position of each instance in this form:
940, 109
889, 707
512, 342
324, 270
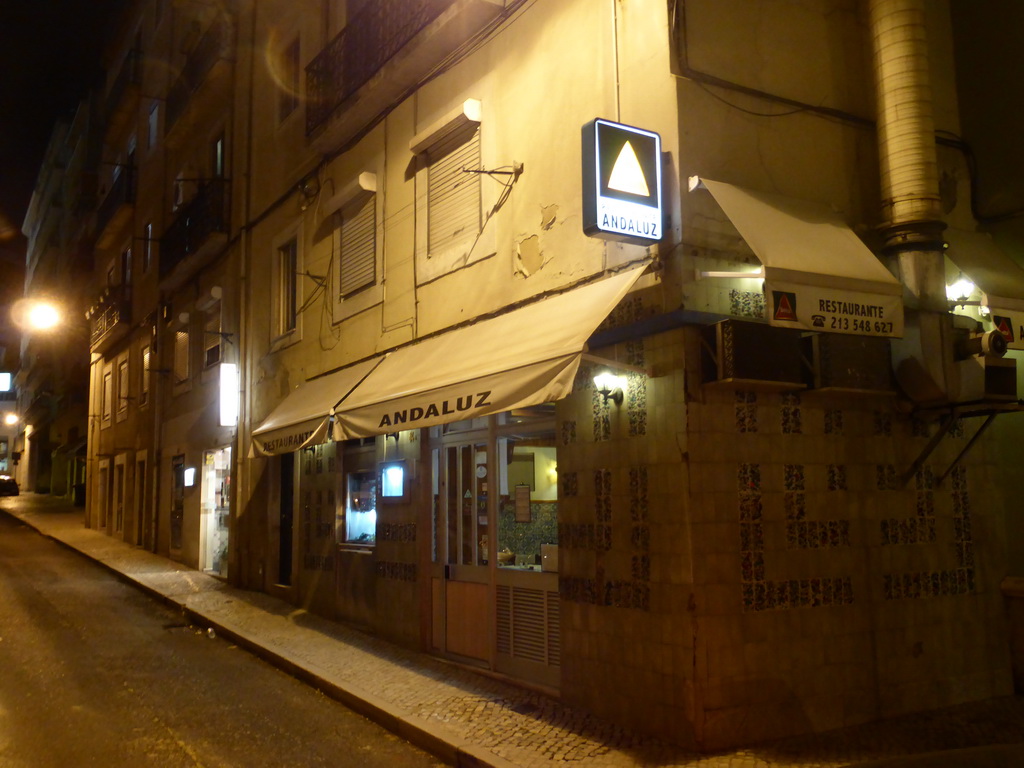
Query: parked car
8, 486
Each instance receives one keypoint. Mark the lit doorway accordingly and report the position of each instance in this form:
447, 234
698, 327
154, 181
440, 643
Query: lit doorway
215, 511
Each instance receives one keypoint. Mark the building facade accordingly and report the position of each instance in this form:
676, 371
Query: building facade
52, 382
357, 266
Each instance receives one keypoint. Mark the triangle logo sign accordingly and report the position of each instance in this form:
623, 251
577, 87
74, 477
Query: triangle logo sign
627, 175
785, 305
1005, 327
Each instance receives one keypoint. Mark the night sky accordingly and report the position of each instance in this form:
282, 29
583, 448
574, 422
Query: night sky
49, 57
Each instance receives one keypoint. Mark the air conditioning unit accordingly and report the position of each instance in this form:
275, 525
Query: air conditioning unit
849, 363
744, 353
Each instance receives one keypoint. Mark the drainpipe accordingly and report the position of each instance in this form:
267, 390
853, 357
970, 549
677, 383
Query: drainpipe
911, 208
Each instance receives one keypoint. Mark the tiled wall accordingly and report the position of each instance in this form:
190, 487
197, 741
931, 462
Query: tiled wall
742, 565
624, 551
835, 584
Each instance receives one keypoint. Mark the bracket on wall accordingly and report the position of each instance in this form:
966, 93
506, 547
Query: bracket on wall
946, 424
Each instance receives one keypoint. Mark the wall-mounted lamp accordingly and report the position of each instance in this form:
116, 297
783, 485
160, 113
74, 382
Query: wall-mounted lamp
10, 419
960, 290
609, 386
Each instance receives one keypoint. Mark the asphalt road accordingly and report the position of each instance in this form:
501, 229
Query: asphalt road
94, 673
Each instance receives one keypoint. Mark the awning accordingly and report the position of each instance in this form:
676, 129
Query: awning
303, 417
818, 274
524, 357
76, 447
999, 278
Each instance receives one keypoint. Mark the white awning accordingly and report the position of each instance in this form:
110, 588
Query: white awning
303, 417
999, 278
524, 357
818, 274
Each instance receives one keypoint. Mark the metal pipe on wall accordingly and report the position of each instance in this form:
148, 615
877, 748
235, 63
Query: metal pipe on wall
911, 205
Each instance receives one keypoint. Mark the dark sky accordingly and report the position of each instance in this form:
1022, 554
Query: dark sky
49, 57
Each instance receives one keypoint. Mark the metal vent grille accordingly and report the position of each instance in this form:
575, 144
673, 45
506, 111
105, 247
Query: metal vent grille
453, 196
358, 247
505, 620
528, 624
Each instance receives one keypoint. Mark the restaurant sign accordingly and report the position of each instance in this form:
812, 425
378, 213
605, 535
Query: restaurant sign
831, 310
622, 197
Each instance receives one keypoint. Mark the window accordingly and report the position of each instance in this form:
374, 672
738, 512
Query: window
287, 287
147, 251
217, 157
453, 196
126, 267
356, 243
144, 384
5, 382
288, 96
153, 125
361, 508
181, 368
108, 397
453, 233
123, 390
212, 337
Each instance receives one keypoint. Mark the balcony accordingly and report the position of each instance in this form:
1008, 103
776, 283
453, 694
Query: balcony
381, 55
119, 107
197, 234
109, 318
116, 207
204, 81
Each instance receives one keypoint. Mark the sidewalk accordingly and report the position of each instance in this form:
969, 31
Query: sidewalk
468, 719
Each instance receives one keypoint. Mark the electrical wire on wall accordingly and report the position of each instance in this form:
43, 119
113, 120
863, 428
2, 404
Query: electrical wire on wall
712, 84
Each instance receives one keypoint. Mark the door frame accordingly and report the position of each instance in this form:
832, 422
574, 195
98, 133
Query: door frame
462, 590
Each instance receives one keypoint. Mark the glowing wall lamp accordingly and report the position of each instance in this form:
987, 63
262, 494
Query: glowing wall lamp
228, 394
959, 292
10, 419
609, 386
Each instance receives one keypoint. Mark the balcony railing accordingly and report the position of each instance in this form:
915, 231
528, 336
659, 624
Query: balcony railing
130, 74
204, 215
198, 65
110, 317
372, 37
122, 192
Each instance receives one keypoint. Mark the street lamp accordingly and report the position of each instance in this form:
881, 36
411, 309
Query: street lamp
36, 314
10, 419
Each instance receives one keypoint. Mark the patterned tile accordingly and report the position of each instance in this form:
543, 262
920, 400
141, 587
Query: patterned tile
746, 303
792, 416
833, 421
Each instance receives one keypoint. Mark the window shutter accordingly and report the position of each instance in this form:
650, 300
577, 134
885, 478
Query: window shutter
453, 196
358, 247
180, 356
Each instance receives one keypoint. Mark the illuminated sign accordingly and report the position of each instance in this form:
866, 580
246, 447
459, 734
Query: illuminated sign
621, 183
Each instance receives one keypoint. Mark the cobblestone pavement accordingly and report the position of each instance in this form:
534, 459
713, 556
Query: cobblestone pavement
471, 719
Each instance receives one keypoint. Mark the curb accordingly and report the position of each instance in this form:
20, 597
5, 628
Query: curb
455, 752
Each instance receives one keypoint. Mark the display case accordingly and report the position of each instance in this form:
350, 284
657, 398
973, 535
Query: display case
360, 524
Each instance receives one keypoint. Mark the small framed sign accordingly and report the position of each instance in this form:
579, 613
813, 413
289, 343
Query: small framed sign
622, 197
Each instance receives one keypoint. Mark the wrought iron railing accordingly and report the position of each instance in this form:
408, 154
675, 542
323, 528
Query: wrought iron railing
202, 216
112, 308
122, 192
130, 74
198, 65
372, 37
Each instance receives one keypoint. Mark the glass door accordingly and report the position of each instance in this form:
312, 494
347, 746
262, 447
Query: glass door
462, 548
